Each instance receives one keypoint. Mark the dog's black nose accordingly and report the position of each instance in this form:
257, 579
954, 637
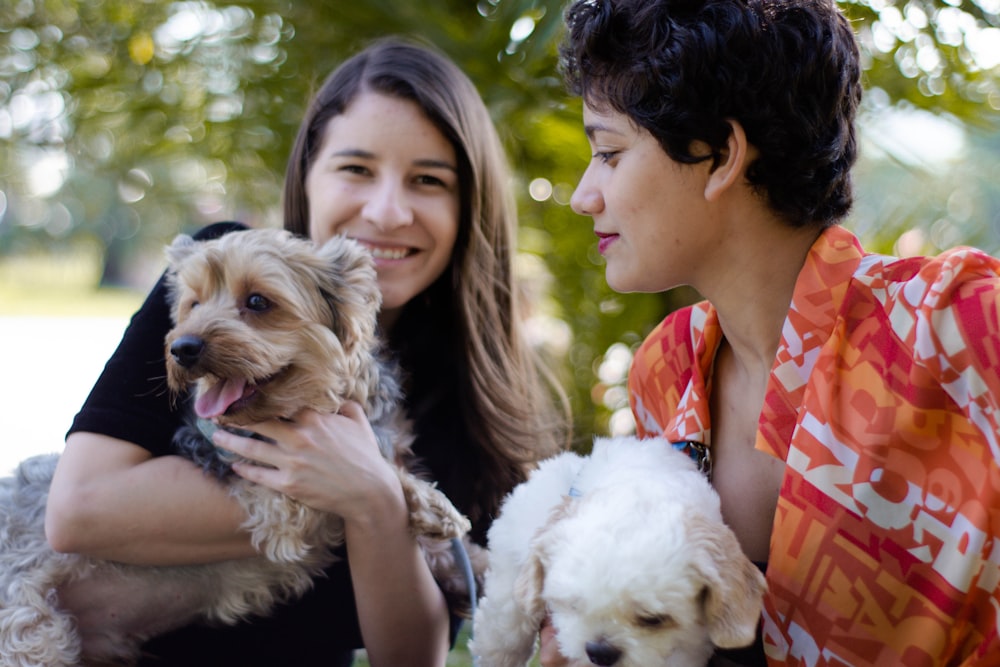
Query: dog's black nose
602, 653
187, 350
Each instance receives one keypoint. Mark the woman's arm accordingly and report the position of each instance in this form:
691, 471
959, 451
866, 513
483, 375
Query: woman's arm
403, 616
332, 463
112, 499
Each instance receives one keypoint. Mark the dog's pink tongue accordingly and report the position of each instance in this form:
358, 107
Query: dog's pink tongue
219, 397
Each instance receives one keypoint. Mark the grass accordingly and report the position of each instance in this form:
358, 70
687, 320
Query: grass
60, 285
458, 657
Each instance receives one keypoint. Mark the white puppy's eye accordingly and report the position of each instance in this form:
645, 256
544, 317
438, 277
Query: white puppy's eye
655, 621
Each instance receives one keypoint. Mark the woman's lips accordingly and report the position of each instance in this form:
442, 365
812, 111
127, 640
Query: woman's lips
604, 241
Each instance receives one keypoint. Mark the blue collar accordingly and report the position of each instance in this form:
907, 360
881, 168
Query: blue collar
698, 452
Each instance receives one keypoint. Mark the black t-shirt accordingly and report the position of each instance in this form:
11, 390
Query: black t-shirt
131, 401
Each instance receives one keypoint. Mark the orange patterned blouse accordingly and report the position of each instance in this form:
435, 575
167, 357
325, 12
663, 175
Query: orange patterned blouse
883, 403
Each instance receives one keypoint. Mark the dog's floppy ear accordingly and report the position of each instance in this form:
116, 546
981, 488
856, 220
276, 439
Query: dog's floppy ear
528, 586
734, 587
530, 583
349, 284
181, 247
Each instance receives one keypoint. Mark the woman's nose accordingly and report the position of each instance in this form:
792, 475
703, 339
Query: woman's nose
586, 199
389, 207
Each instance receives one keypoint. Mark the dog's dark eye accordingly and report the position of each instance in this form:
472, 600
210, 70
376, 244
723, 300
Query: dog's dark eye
655, 620
258, 303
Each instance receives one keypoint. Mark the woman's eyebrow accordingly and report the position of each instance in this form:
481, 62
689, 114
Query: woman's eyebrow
353, 152
435, 164
420, 162
591, 129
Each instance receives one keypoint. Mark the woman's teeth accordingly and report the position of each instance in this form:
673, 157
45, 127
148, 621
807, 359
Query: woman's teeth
389, 253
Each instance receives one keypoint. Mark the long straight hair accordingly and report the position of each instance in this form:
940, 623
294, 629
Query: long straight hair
464, 329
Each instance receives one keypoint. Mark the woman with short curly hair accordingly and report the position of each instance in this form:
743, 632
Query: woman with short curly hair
846, 404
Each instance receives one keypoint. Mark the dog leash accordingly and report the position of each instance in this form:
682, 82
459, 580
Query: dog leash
465, 565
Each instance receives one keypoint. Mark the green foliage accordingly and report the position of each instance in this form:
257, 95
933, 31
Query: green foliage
924, 52
123, 122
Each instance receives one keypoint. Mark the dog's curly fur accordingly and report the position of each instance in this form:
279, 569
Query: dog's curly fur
634, 565
265, 324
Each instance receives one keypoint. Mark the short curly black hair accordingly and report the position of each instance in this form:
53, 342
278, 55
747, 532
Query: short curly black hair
787, 70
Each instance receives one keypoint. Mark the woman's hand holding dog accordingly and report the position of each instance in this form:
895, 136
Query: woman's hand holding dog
330, 462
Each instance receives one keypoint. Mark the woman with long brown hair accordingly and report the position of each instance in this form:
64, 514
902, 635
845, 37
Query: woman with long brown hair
397, 150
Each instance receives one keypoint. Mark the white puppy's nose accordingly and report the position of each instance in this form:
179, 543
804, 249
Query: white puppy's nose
602, 653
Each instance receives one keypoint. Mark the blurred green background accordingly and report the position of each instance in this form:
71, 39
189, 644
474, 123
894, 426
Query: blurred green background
123, 122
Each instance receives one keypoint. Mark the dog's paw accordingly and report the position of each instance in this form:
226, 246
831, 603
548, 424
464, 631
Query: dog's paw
431, 513
443, 522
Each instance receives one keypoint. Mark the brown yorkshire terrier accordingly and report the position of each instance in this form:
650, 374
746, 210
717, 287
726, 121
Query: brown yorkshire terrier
265, 324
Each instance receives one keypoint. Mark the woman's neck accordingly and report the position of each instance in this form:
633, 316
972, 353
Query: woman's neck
753, 294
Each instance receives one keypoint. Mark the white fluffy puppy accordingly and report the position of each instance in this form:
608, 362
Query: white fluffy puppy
627, 551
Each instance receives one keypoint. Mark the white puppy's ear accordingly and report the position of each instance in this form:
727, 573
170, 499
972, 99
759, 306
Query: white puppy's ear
734, 587
530, 582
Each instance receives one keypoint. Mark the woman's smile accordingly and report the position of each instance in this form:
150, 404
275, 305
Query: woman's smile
387, 253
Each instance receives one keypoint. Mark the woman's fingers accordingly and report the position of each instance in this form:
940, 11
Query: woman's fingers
352, 410
328, 461
263, 452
